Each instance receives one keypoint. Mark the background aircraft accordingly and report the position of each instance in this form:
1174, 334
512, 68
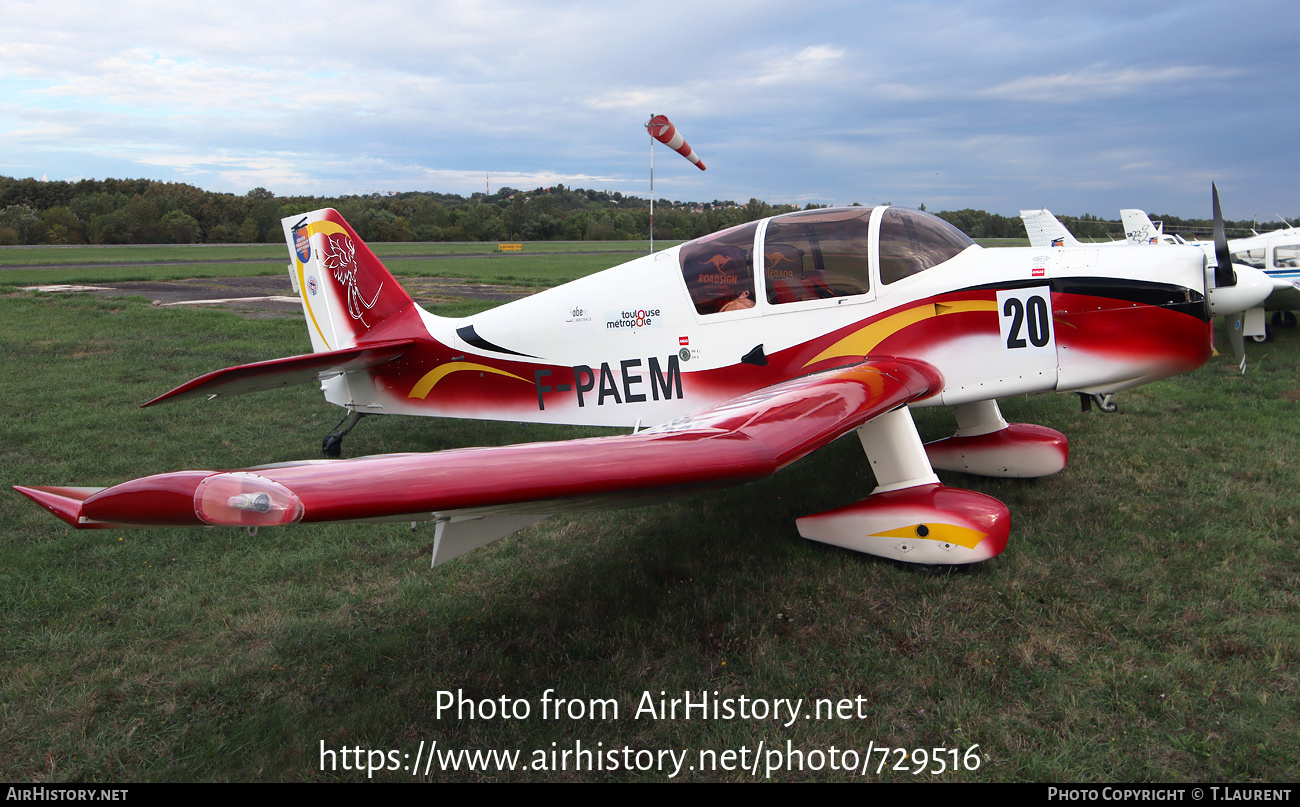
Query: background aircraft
750, 347
1045, 230
1275, 253
1139, 229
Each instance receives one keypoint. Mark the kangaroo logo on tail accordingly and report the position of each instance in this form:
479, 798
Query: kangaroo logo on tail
339, 256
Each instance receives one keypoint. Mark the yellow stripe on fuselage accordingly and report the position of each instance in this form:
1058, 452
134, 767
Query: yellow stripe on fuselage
431, 378
864, 340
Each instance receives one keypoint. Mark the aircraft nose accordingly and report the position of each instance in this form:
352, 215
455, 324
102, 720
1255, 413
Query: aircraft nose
1251, 289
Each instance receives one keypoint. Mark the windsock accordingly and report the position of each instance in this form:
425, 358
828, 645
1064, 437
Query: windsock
662, 129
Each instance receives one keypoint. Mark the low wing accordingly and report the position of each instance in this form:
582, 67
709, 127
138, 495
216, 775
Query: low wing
738, 441
276, 373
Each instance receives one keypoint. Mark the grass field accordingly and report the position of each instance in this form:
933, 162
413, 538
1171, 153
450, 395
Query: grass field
1143, 624
549, 260
158, 253
540, 265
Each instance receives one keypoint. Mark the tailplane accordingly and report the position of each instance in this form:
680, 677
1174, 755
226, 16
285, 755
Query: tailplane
345, 290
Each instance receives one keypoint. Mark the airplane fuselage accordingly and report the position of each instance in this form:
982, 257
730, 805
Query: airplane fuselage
639, 343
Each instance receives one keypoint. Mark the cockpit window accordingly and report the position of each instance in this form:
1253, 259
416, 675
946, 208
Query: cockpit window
1286, 256
719, 269
1250, 257
912, 241
816, 255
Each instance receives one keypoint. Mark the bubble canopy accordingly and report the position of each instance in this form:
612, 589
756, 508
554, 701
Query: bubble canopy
814, 255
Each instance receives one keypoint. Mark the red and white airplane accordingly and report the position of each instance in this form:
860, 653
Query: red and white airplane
749, 349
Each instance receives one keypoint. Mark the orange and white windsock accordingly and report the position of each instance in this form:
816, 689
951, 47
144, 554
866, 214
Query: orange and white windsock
662, 129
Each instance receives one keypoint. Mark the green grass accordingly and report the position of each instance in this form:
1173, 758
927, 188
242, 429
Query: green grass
138, 253
156, 253
530, 271
1141, 626
540, 264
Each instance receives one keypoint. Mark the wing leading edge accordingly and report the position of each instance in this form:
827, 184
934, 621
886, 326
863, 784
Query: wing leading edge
737, 441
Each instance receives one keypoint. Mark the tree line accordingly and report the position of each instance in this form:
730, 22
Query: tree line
144, 211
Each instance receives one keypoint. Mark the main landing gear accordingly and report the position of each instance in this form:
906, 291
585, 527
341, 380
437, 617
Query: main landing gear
332, 445
1105, 403
913, 518
1280, 319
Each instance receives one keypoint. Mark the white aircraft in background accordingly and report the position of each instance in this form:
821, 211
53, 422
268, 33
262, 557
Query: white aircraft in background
1045, 230
1276, 254
1140, 229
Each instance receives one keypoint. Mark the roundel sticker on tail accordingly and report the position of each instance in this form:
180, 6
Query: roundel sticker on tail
302, 244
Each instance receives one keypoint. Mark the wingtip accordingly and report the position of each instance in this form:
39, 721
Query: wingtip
177, 392
65, 503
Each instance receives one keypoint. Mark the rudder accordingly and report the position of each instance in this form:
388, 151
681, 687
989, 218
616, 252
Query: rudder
345, 289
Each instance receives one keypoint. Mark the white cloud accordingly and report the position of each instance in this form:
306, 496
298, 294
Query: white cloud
636, 99
835, 100
811, 65
1092, 84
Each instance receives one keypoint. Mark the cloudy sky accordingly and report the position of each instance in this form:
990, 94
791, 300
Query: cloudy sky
1082, 108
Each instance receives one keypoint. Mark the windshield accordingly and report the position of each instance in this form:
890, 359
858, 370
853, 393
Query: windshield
912, 241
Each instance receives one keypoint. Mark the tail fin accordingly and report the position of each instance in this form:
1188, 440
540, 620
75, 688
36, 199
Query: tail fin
346, 291
1045, 231
1138, 228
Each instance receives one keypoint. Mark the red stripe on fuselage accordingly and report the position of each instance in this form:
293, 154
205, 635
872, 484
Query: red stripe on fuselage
1158, 340
1127, 331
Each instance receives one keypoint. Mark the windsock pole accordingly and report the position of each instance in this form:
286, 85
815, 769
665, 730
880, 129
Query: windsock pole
652, 188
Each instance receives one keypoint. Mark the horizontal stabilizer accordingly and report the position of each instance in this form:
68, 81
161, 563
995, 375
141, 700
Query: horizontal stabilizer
276, 373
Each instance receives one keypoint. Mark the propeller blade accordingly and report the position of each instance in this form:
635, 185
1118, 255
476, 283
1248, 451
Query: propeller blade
1236, 336
1224, 274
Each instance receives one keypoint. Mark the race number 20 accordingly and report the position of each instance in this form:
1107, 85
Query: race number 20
1025, 319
